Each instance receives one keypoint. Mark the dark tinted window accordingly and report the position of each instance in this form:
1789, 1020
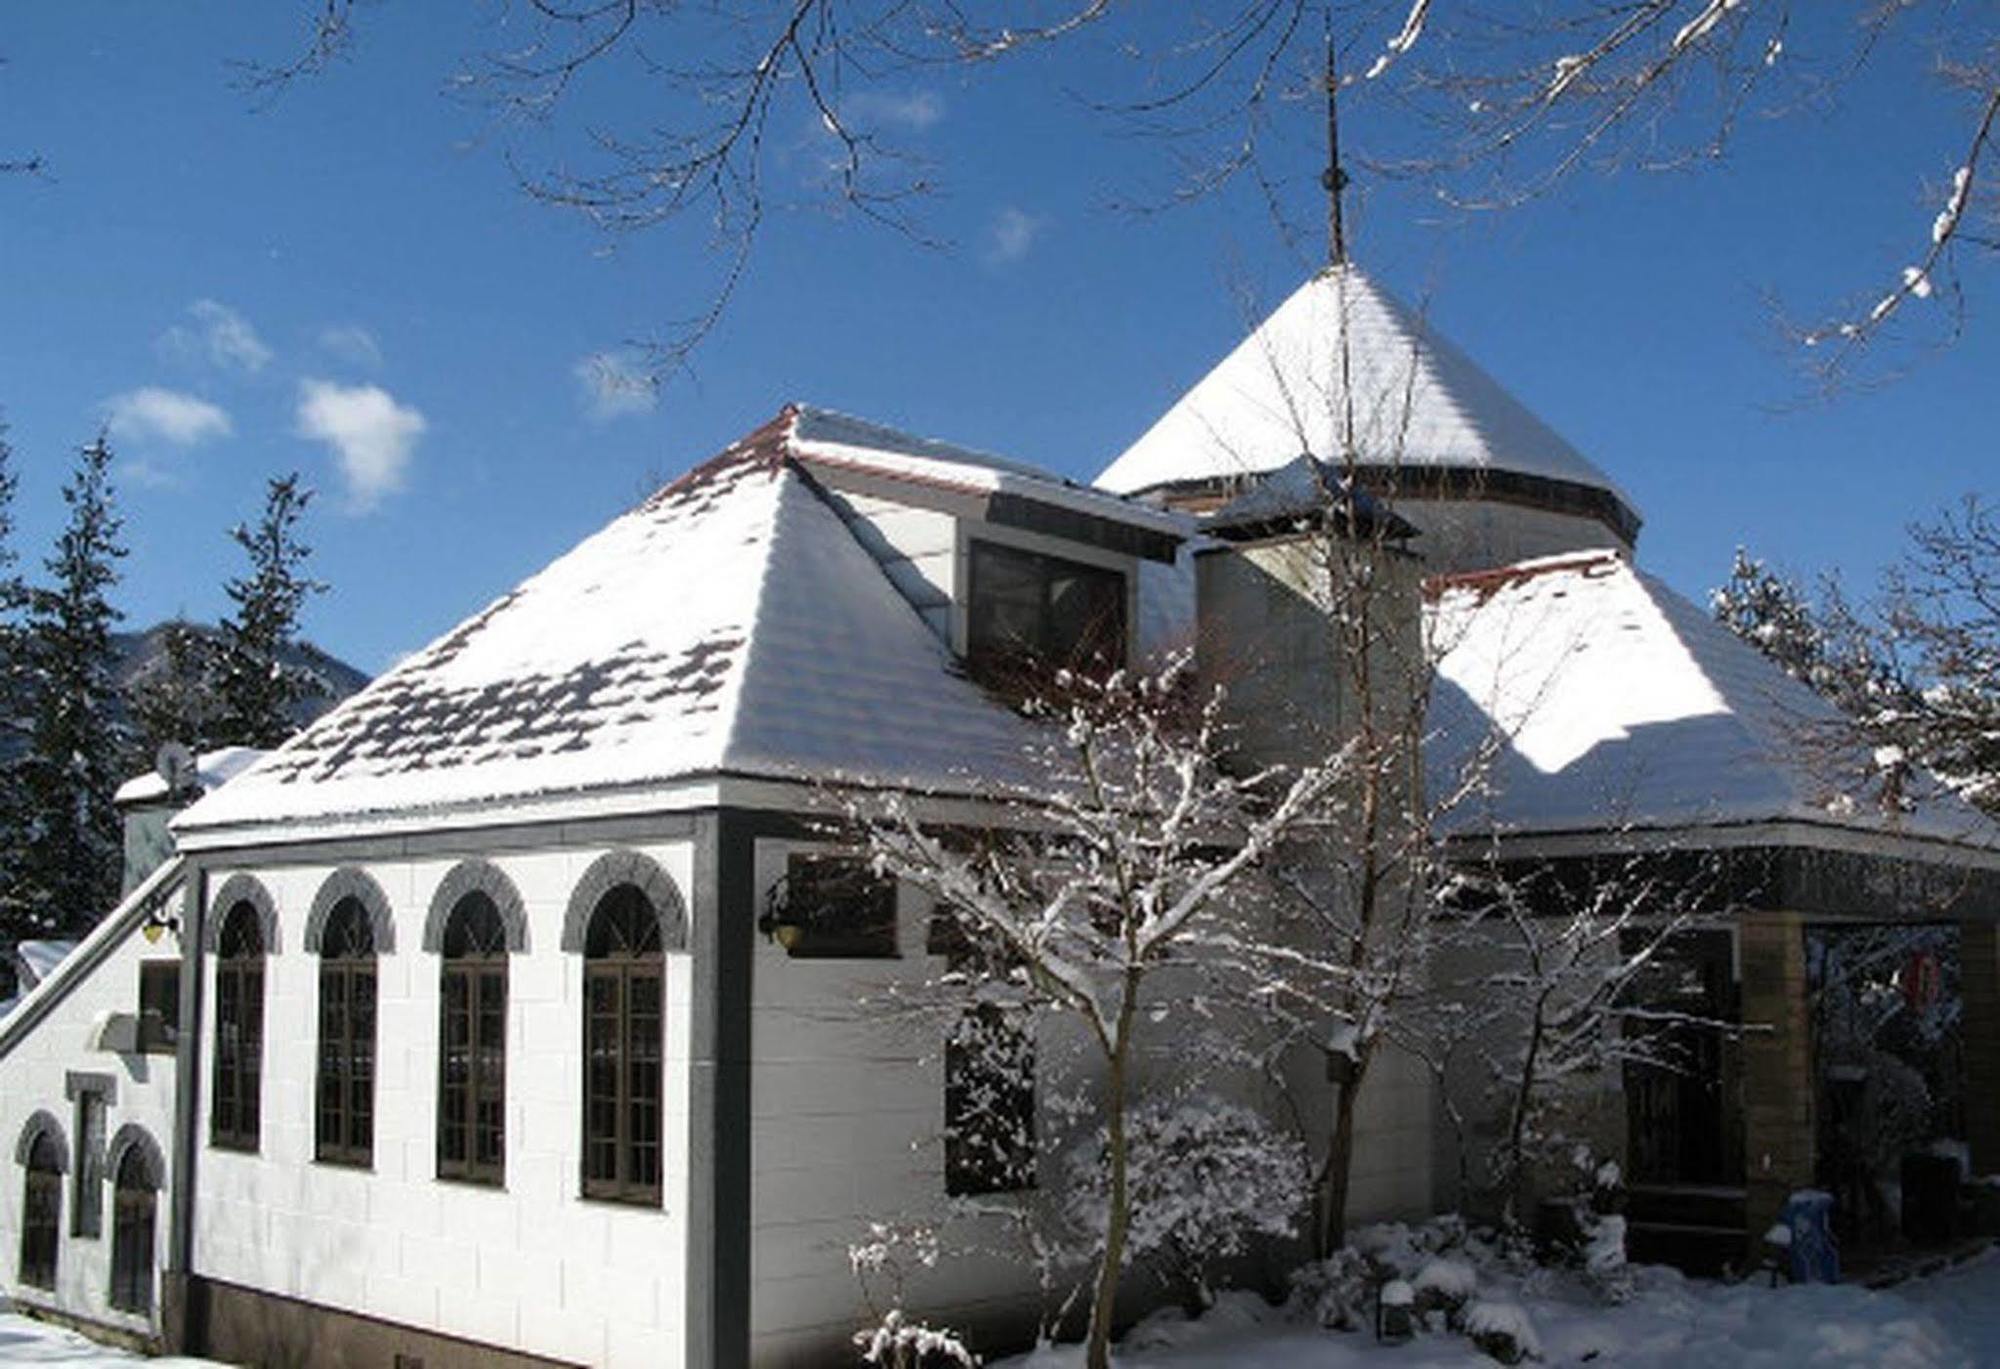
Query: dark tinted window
1027, 609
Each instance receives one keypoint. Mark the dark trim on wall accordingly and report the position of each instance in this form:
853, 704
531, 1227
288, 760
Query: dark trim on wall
606, 873
351, 881
499, 839
76, 1083
41, 1121
732, 948
1813, 881
182, 1324
486, 878
243, 888
250, 1326
1074, 525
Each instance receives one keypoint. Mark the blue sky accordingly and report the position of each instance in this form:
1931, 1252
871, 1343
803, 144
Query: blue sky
348, 282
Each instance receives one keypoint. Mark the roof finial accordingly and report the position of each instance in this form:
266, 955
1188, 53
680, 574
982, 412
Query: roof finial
1335, 177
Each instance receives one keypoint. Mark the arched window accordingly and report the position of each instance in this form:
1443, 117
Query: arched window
135, 1193
239, 1028
345, 1116
472, 1044
623, 1032
41, 1212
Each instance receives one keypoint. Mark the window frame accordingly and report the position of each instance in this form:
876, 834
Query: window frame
131, 1241
480, 974
992, 657
878, 935
345, 1056
236, 1102
634, 970
159, 1030
976, 1161
41, 1214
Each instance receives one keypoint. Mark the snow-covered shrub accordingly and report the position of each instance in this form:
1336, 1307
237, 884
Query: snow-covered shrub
1502, 1330
883, 1262
1206, 1176
1334, 1292
1445, 1286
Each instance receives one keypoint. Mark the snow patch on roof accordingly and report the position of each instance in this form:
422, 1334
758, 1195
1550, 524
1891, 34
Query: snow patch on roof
1416, 400
213, 768
1616, 702
731, 623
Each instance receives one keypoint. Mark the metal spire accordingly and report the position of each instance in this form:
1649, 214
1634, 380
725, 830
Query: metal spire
1335, 177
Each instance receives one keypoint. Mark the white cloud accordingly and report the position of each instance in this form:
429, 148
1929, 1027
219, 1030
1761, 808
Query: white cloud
218, 335
351, 343
371, 435
153, 414
1011, 235
915, 110
613, 386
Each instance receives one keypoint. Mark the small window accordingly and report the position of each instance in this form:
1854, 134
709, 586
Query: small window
344, 1131
623, 1035
239, 1030
989, 1103
1028, 611
41, 1212
472, 1044
833, 908
134, 1207
86, 1208
159, 1006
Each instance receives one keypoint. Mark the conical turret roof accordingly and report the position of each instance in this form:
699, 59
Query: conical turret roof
1343, 355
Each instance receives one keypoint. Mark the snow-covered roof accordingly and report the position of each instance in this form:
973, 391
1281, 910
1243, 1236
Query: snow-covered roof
1615, 702
213, 769
822, 437
1417, 401
38, 959
731, 624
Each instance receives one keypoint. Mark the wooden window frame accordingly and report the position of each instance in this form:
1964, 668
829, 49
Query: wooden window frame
624, 972
344, 1080
235, 1109
479, 977
134, 1235
41, 1214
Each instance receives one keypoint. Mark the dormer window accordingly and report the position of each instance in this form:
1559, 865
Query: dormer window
1028, 610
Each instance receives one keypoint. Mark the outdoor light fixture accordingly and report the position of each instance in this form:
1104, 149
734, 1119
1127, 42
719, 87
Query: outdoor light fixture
159, 921
778, 925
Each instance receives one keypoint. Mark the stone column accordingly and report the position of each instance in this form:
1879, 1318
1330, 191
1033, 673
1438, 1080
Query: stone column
1979, 1038
1779, 1089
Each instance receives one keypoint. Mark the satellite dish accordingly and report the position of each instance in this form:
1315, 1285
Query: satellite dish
174, 763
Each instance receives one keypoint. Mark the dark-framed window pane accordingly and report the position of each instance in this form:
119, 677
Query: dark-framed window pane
159, 1006
239, 1030
1027, 610
41, 1213
345, 1092
472, 1044
134, 1209
989, 1103
624, 1030
835, 907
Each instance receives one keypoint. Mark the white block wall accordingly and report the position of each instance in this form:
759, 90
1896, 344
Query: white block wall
532, 1265
32, 1078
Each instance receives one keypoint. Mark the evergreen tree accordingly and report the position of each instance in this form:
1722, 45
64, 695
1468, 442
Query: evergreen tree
175, 699
257, 689
13, 704
69, 865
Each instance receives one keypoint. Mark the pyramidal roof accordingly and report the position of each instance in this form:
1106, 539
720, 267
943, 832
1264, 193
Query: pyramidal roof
1343, 350
1615, 702
730, 624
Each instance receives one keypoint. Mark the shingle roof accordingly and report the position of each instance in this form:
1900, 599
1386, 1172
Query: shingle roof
729, 624
1417, 401
1616, 702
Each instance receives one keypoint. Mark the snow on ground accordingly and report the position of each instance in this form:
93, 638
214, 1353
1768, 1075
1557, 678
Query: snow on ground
24, 1340
1950, 1321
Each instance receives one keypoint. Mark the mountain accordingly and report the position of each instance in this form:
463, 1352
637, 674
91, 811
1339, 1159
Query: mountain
143, 654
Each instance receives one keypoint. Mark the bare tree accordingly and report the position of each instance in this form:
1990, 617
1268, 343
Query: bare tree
1487, 107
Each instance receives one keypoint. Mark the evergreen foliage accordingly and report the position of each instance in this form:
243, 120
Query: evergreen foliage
176, 700
66, 869
256, 690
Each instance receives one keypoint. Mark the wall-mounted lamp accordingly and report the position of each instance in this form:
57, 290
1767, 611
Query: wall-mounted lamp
158, 921
779, 925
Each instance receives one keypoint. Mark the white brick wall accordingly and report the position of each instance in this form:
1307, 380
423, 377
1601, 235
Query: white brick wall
531, 1265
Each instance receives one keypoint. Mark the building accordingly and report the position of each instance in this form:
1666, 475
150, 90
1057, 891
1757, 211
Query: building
459, 1029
